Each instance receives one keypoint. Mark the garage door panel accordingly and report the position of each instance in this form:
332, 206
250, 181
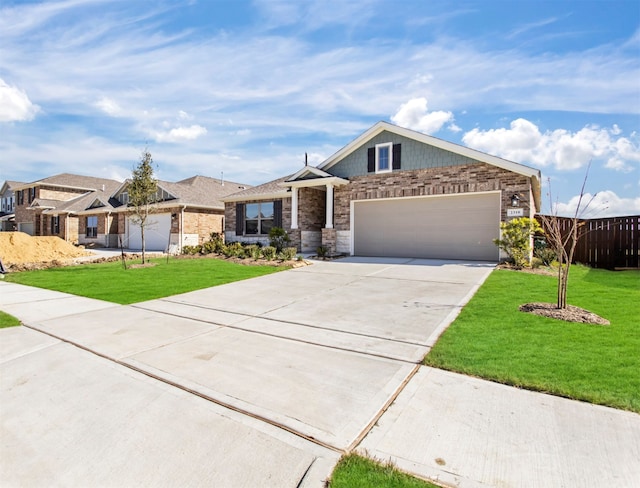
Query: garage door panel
451, 227
156, 233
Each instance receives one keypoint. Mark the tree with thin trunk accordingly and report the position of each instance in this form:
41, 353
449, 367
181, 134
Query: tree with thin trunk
143, 189
563, 235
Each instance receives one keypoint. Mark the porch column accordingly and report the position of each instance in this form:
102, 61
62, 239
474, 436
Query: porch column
329, 207
294, 207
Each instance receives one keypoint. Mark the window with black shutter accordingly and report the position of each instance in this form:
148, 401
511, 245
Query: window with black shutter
277, 213
397, 156
384, 158
239, 219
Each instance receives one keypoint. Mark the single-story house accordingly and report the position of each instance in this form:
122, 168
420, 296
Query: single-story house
391, 192
95, 211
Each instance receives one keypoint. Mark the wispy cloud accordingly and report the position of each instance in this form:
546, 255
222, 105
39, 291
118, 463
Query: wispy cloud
531, 26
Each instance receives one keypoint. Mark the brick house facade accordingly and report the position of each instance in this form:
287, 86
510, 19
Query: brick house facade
393, 191
94, 211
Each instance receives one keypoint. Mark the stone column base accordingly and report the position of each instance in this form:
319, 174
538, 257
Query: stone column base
329, 239
294, 239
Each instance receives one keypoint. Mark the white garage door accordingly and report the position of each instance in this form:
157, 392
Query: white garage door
441, 227
156, 233
26, 227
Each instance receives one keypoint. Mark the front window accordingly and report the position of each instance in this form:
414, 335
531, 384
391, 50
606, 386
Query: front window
92, 226
384, 155
258, 218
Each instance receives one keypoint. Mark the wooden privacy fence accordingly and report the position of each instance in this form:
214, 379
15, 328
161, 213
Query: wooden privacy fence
610, 243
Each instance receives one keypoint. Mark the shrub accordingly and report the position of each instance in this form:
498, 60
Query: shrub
536, 262
217, 241
269, 253
235, 250
322, 251
208, 247
515, 239
253, 251
546, 254
191, 250
288, 253
278, 238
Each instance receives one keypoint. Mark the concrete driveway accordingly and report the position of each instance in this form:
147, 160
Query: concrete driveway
265, 382
314, 354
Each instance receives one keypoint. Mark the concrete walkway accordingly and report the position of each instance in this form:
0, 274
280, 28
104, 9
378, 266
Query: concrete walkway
264, 382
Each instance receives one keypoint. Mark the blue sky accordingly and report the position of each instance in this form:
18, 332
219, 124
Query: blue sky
247, 87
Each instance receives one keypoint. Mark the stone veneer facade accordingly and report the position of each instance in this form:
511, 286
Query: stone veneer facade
472, 178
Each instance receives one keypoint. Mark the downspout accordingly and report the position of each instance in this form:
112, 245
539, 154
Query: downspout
66, 227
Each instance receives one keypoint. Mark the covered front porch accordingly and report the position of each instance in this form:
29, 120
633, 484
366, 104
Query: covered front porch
312, 209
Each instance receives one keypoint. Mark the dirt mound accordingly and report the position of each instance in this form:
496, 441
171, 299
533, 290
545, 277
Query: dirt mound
20, 248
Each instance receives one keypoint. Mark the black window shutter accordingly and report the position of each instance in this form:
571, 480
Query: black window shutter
371, 159
239, 219
277, 213
397, 156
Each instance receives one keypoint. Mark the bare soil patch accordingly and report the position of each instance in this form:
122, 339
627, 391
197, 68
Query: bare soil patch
18, 248
569, 314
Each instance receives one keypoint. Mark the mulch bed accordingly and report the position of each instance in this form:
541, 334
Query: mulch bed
569, 314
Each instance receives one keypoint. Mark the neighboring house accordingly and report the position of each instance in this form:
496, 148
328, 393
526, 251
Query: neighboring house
8, 205
391, 192
186, 213
95, 212
46, 207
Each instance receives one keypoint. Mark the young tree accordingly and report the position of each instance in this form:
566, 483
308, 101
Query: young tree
142, 194
563, 235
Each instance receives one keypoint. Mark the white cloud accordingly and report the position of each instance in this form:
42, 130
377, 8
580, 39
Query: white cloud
604, 204
565, 150
15, 105
415, 115
178, 134
109, 106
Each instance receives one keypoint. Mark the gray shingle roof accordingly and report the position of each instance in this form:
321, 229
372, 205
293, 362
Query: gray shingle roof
71, 181
201, 191
266, 189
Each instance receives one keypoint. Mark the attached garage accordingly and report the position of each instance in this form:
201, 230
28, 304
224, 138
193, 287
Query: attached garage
460, 226
156, 232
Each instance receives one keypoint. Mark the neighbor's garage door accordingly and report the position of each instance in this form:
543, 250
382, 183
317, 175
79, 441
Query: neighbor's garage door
441, 227
27, 228
156, 233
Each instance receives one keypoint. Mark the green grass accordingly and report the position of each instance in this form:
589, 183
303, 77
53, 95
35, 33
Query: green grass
7, 320
492, 339
353, 471
111, 282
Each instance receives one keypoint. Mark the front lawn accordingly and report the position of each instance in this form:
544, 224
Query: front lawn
492, 339
7, 320
353, 471
111, 282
